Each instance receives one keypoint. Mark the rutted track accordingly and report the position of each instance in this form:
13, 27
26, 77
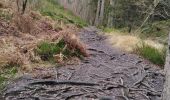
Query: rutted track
108, 74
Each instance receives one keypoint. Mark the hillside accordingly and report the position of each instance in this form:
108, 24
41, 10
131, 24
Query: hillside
37, 38
83, 49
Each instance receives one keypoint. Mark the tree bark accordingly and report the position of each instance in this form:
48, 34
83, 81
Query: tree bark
110, 16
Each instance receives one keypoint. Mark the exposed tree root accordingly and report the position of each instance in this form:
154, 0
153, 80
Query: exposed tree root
50, 82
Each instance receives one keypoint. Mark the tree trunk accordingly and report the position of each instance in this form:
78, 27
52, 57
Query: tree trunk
98, 12
110, 16
24, 5
102, 12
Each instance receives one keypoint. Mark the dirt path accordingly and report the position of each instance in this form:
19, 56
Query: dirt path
107, 74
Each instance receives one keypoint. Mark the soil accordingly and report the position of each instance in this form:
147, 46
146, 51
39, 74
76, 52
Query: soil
108, 74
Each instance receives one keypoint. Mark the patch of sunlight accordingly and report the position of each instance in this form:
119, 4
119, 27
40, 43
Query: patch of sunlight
129, 42
124, 42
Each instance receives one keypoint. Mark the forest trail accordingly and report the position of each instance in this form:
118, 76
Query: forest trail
108, 74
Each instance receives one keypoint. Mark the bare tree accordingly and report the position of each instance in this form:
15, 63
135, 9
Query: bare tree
100, 12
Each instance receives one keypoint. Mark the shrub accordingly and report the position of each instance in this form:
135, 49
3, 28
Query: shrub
24, 23
154, 55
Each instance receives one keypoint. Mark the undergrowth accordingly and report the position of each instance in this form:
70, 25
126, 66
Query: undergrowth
152, 54
158, 30
52, 9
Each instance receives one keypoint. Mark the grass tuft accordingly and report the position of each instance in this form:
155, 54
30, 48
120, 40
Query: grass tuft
152, 54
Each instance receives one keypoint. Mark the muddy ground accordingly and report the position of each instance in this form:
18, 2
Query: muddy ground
108, 74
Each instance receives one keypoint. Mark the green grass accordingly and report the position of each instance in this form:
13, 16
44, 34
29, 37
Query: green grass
7, 74
56, 12
46, 50
152, 54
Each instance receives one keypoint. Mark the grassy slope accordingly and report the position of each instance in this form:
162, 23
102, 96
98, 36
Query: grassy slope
56, 12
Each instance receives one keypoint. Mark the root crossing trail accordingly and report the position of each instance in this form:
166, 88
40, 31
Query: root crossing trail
108, 74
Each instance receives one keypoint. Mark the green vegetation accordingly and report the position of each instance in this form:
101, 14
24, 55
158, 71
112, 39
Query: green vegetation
113, 30
5, 15
154, 55
47, 50
56, 12
7, 74
157, 29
